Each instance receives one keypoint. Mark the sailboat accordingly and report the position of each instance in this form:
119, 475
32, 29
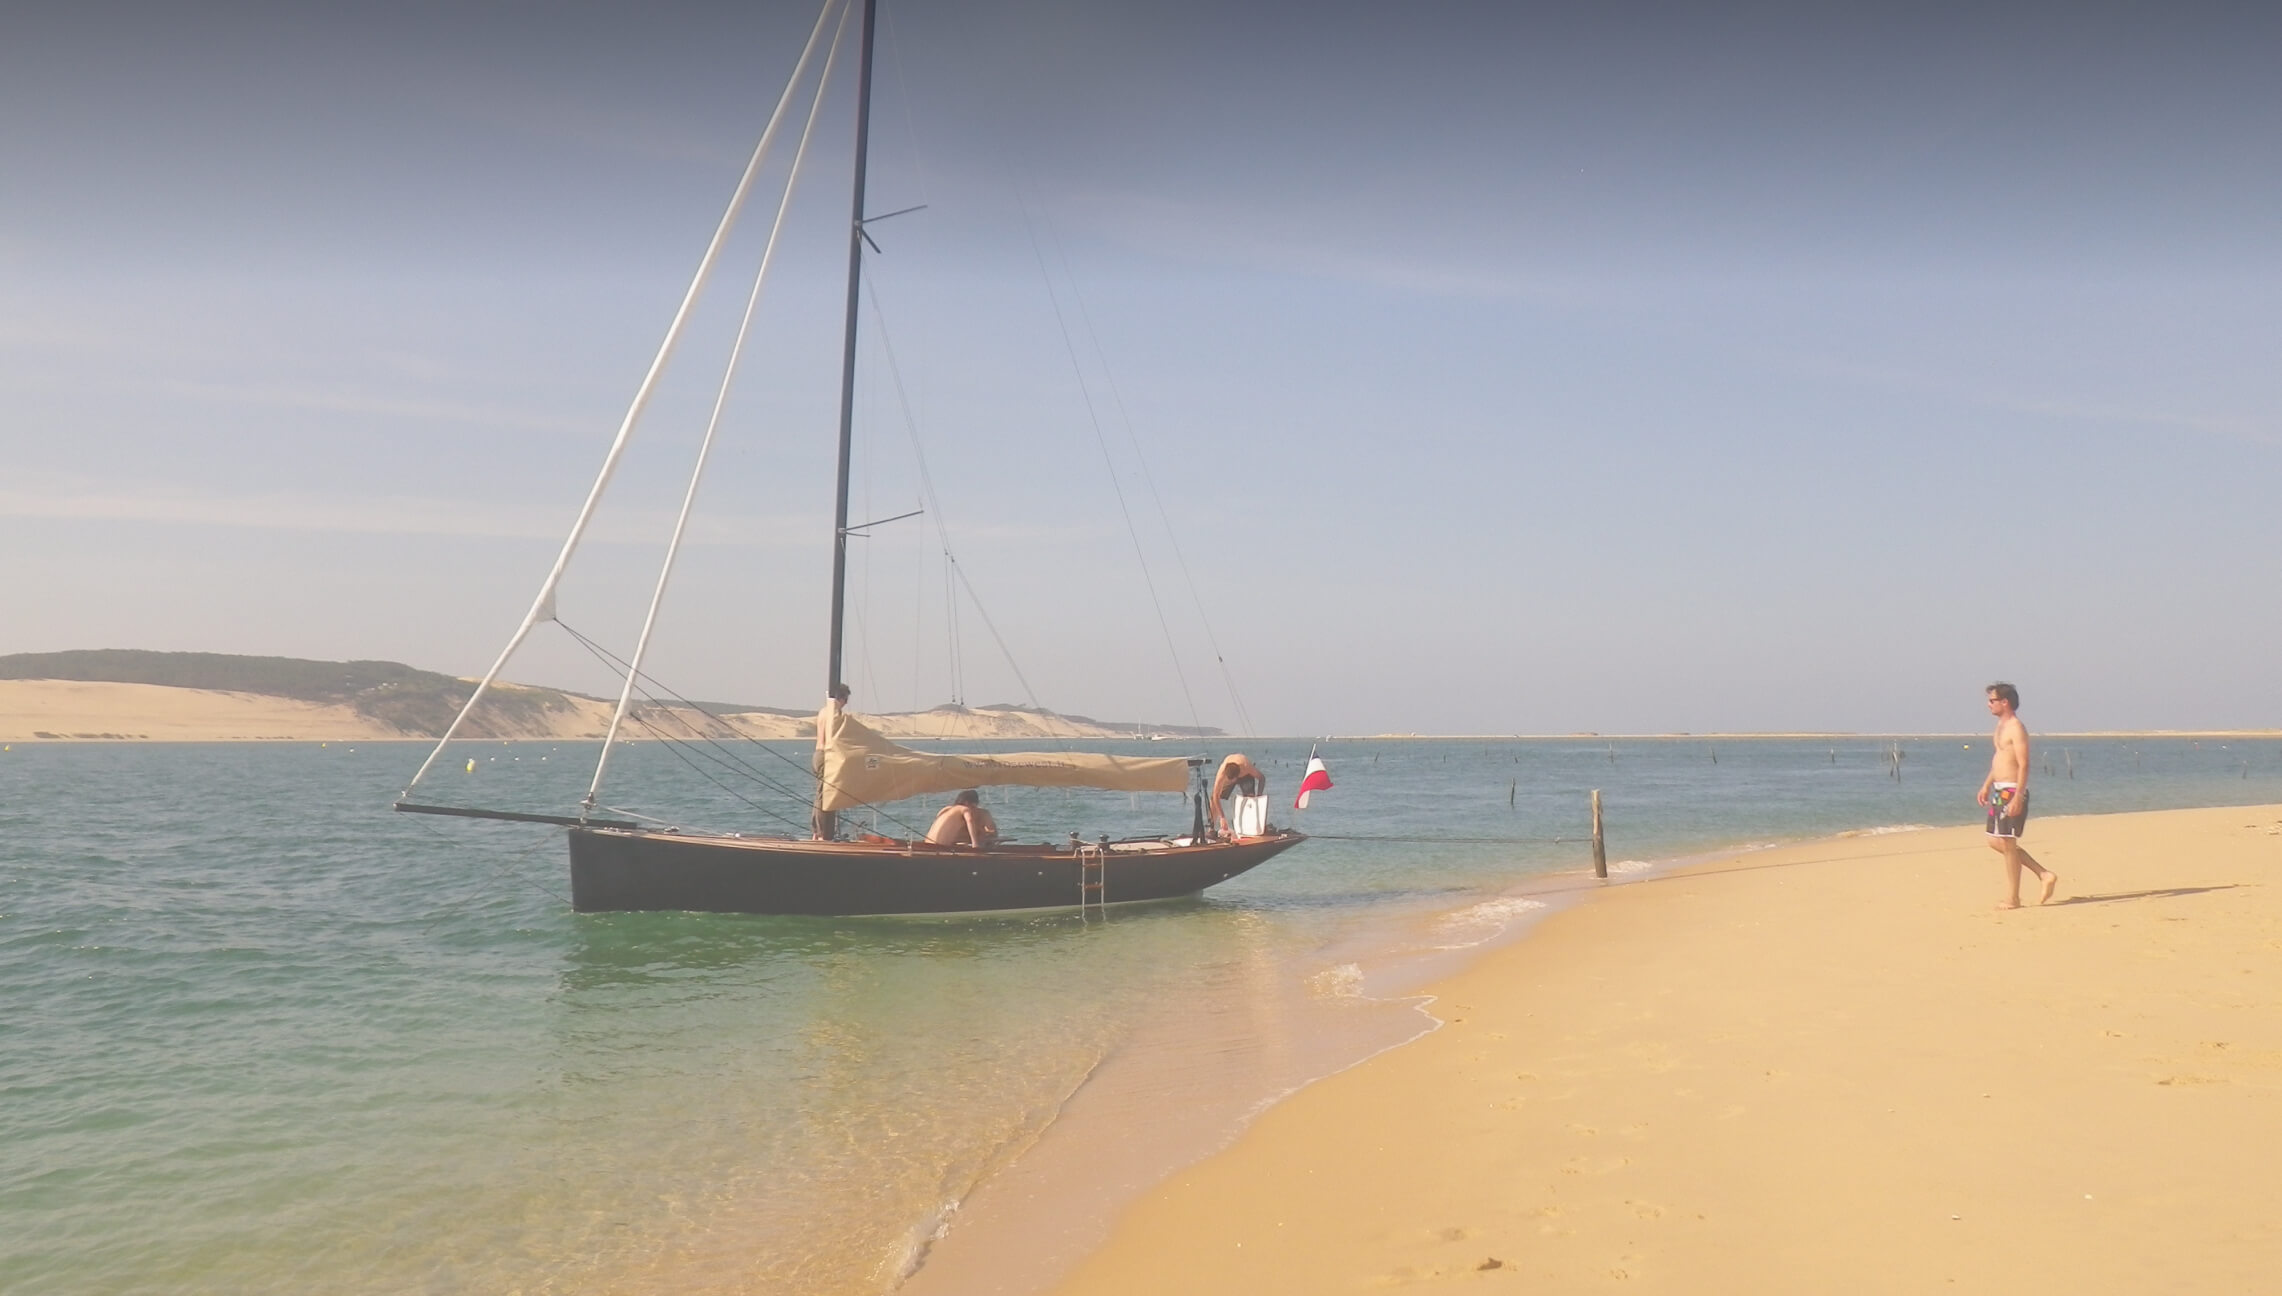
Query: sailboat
621, 864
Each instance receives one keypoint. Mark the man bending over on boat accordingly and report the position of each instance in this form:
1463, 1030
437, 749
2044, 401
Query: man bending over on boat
1238, 776
964, 822
826, 823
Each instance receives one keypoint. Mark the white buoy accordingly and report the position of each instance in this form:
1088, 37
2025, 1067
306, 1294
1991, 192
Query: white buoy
471, 765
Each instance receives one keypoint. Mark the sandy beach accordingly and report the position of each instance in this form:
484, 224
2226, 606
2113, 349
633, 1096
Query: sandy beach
1826, 1067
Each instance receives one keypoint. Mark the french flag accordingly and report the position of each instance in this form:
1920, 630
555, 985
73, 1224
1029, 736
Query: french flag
1317, 779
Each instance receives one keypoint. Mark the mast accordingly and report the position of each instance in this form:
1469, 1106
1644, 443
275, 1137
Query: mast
848, 356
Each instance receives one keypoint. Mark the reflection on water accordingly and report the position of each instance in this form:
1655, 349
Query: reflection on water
265, 1036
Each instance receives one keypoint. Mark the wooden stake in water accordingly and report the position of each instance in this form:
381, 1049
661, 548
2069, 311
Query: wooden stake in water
1600, 848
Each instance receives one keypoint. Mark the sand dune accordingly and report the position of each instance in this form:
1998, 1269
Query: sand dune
32, 710
68, 710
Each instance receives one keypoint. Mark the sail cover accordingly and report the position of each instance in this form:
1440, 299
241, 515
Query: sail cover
857, 767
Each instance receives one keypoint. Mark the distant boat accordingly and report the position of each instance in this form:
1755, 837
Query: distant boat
620, 865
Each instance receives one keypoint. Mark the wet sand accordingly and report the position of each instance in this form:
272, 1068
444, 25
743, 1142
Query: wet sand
1833, 1066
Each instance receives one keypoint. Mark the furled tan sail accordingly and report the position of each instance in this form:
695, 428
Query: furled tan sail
859, 767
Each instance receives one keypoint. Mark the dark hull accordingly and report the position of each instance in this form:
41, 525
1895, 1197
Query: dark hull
618, 869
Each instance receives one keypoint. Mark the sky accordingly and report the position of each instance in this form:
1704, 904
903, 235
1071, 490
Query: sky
1294, 369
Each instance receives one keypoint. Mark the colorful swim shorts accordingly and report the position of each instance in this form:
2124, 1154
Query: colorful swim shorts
2008, 810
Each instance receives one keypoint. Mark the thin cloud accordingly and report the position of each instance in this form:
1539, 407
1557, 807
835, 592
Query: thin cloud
2237, 429
81, 500
1916, 382
562, 120
1265, 240
343, 401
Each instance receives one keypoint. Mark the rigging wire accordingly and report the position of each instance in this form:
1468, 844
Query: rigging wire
720, 753
543, 605
951, 631
1093, 417
926, 198
934, 501
957, 574
862, 607
1172, 536
918, 620
720, 402
681, 751
723, 754
973, 43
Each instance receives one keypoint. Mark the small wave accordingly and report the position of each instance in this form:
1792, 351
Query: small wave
910, 1251
1885, 829
1477, 923
1630, 866
1342, 982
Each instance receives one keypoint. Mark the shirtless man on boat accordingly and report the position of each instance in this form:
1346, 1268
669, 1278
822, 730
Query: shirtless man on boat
2005, 793
1238, 776
964, 822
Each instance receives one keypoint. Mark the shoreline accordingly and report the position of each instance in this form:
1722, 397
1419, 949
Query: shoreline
1110, 1147
1613, 1094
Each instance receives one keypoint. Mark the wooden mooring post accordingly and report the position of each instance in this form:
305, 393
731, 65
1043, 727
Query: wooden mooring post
1600, 848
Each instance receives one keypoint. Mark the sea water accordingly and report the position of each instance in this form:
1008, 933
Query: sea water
260, 1034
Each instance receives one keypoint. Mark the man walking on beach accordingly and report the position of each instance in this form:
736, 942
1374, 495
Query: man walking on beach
2005, 793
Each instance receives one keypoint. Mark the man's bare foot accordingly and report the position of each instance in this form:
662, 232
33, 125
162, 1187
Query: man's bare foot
2010, 904
2051, 884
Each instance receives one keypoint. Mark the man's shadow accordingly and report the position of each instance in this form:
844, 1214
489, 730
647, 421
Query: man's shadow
2163, 893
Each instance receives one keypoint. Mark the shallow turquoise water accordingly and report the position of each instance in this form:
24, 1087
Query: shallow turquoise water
263, 1035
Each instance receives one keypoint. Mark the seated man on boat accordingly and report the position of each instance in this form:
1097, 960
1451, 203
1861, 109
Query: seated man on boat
1238, 777
964, 822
